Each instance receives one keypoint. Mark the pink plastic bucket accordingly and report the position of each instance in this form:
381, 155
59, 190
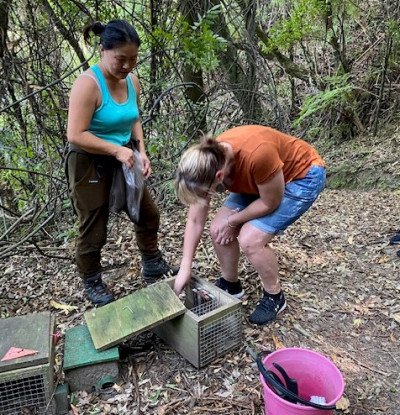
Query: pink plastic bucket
315, 374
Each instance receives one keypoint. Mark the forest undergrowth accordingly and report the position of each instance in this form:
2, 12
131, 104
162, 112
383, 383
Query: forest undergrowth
340, 275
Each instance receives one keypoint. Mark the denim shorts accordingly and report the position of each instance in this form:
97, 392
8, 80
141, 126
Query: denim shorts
298, 197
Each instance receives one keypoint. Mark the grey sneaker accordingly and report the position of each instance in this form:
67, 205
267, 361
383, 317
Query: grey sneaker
155, 268
96, 291
267, 309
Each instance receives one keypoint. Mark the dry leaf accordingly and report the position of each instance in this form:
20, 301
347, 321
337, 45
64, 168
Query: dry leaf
277, 343
65, 307
343, 404
162, 410
9, 270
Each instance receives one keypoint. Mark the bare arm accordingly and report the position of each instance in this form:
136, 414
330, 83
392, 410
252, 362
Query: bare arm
271, 194
137, 131
84, 99
195, 223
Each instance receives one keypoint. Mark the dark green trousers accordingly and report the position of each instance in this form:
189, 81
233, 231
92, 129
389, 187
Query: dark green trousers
90, 178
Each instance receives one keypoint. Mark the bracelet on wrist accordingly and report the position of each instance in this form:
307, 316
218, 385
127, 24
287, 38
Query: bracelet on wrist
229, 224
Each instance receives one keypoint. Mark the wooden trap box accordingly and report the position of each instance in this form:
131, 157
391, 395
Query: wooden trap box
208, 329
26, 383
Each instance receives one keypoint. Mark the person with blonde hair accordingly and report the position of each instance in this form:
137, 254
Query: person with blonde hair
273, 178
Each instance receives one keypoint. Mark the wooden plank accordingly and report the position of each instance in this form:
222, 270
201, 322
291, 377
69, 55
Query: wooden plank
30, 331
129, 316
79, 350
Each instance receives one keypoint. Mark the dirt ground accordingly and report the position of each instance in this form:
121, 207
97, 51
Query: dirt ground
341, 279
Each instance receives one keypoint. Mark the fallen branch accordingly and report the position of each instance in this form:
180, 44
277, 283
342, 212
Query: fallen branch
135, 383
27, 237
49, 255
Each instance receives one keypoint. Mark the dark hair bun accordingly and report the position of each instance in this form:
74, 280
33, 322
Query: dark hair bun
98, 28
114, 34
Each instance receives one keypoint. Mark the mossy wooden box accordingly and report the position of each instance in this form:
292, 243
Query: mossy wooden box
26, 383
206, 331
85, 368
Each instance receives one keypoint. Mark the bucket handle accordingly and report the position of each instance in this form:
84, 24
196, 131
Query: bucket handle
278, 387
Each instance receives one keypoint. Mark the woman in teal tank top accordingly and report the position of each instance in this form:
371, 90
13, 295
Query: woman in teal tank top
112, 121
103, 125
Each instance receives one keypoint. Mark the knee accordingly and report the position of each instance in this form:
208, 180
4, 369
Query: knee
249, 244
213, 233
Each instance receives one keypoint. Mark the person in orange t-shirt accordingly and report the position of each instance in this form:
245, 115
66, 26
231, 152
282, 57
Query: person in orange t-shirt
273, 178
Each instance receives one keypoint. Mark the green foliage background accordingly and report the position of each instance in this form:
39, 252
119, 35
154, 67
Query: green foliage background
325, 70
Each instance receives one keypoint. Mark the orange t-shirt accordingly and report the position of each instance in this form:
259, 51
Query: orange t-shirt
261, 151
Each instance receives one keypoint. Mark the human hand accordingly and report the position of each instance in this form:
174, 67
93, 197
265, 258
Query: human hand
146, 165
223, 233
181, 280
126, 156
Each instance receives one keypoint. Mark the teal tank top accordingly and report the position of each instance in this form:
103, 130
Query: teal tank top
113, 121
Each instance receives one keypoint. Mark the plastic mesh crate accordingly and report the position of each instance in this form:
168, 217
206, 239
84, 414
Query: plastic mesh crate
26, 383
207, 330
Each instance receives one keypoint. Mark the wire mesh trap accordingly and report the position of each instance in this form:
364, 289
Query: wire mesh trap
211, 326
217, 336
25, 393
26, 383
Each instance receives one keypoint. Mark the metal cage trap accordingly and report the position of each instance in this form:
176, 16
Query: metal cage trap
210, 327
26, 392
26, 383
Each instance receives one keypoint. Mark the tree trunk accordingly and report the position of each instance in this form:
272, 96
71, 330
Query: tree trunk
154, 60
4, 8
241, 77
68, 36
189, 10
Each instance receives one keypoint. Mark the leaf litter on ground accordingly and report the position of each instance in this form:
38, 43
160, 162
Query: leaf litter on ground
341, 279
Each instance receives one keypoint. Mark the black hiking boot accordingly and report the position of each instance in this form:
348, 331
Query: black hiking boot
96, 291
233, 288
268, 308
154, 268
395, 239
